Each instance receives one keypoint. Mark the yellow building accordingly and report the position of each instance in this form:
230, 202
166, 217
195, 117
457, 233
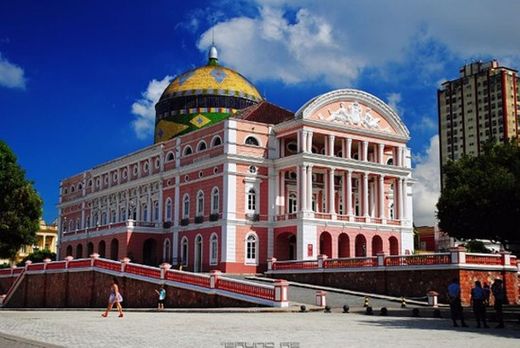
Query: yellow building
46, 238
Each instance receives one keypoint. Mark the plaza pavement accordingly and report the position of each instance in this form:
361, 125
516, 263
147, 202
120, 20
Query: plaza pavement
185, 329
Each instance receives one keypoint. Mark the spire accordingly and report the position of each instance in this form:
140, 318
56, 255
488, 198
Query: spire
213, 53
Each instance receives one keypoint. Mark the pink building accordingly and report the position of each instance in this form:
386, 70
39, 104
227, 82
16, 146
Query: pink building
228, 185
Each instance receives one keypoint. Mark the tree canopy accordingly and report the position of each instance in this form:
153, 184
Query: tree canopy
20, 205
481, 195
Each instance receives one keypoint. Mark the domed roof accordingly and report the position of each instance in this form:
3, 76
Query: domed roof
201, 97
212, 79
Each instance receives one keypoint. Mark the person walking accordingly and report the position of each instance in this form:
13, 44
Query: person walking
455, 303
114, 298
498, 293
487, 293
477, 300
162, 296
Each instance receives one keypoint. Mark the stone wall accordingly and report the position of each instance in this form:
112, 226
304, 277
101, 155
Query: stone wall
408, 283
91, 289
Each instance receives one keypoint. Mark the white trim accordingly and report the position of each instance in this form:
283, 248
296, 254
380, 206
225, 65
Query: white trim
199, 212
172, 155
254, 137
185, 149
213, 259
184, 257
198, 256
212, 200
199, 144
212, 143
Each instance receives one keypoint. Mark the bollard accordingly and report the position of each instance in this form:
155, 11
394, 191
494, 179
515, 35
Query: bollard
403, 302
346, 308
303, 308
213, 278
327, 309
321, 298
366, 302
432, 298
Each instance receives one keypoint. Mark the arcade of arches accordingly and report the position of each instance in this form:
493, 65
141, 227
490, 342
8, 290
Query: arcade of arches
338, 245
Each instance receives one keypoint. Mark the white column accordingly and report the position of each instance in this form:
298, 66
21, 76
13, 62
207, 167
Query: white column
83, 214
303, 136
161, 205
298, 190
403, 198
277, 200
349, 193
398, 154
399, 198
309, 141
282, 147
365, 151
331, 145
283, 208
309, 188
343, 148
303, 188
349, 148
381, 156
332, 209
365, 194
150, 207
382, 196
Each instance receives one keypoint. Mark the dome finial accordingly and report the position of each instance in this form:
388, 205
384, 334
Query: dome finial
213, 53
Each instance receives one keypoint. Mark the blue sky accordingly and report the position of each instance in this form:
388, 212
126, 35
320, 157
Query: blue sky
78, 79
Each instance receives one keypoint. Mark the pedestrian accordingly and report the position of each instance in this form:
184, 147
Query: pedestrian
477, 300
455, 303
487, 293
162, 296
498, 293
114, 298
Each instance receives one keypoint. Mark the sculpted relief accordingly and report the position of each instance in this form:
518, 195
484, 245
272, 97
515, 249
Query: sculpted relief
354, 114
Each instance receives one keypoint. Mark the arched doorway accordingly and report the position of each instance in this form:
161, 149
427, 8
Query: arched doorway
377, 245
197, 265
394, 246
69, 251
102, 249
90, 249
150, 252
79, 251
286, 246
114, 249
326, 244
361, 246
343, 245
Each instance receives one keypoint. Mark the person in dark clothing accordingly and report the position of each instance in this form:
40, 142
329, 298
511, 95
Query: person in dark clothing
477, 300
455, 303
498, 293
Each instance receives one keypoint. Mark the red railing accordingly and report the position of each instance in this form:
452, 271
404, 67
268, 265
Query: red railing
359, 219
351, 262
106, 264
56, 265
254, 290
18, 270
325, 216
514, 261
80, 263
143, 271
424, 259
15, 284
185, 277
393, 222
483, 259
295, 265
342, 217
5, 271
35, 267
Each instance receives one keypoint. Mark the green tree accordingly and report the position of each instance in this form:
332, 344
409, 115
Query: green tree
39, 256
20, 205
481, 195
476, 246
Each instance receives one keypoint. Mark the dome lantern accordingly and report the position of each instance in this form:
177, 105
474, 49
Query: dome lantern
213, 56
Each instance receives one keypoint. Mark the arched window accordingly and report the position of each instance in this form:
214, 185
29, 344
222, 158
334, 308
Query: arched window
252, 141
184, 251
87, 222
169, 157
201, 146
293, 205
144, 212
79, 251
215, 200
251, 200
166, 250
390, 161
187, 151
200, 203
216, 141
156, 210
78, 224
113, 216
69, 250
104, 218
122, 214
251, 249
213, 250
186, 206
168, 210
71, 225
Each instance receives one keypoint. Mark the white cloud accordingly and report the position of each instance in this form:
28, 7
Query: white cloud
333, 42
393, 100
144, 108
425, 123
426, 190
11, 75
